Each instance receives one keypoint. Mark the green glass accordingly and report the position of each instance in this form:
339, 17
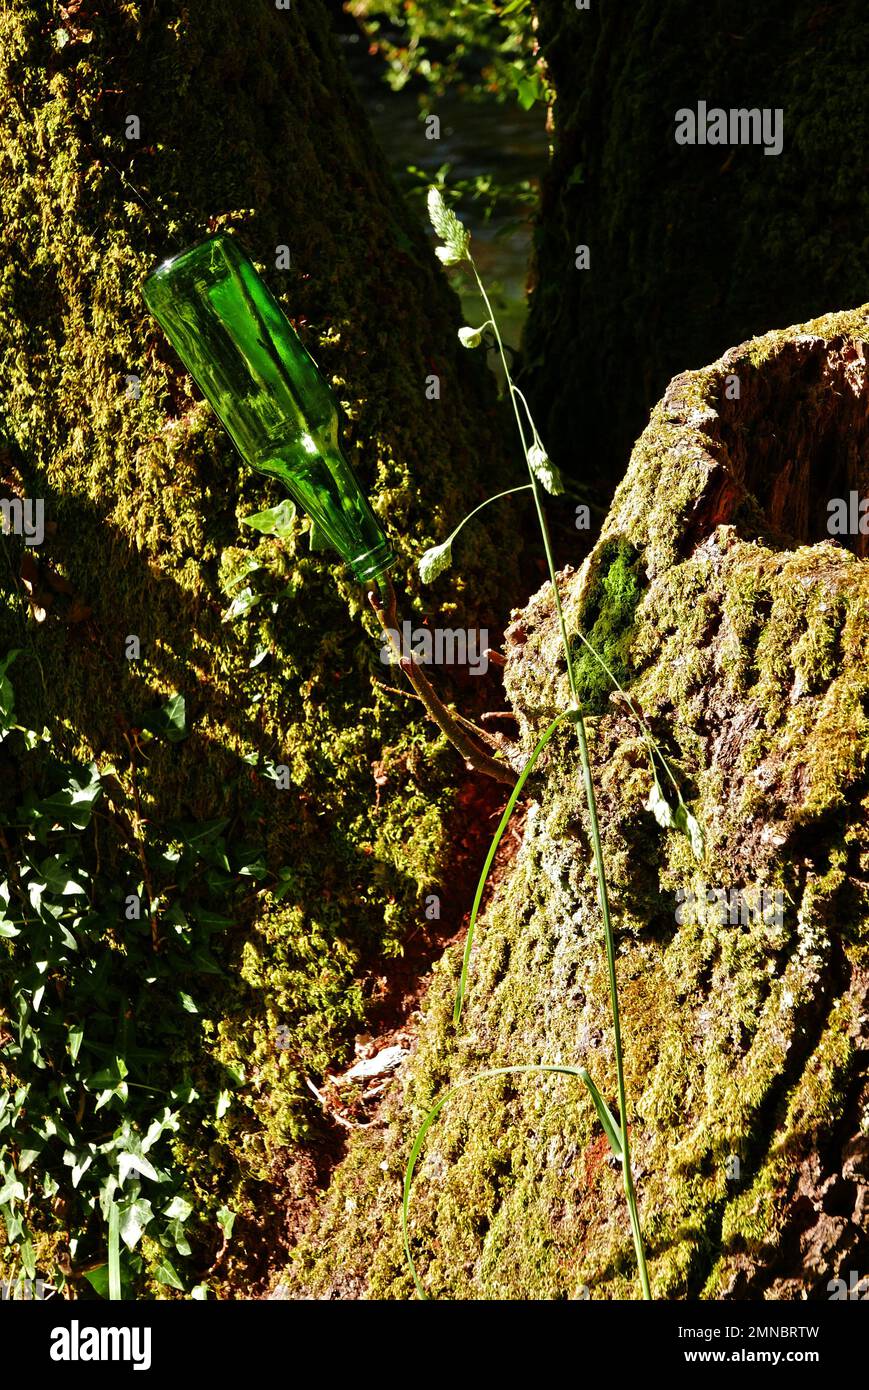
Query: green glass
267, 391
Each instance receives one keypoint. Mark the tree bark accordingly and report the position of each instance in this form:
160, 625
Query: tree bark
127, 131
691, 248
740, 629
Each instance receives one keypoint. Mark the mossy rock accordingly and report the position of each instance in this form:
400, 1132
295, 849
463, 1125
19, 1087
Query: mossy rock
746, 1038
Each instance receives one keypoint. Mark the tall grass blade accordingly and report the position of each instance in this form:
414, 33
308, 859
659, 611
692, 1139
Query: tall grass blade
114, 1252
493, 849
613, 1133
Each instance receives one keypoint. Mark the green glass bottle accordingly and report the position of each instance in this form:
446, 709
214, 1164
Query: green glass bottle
246, 358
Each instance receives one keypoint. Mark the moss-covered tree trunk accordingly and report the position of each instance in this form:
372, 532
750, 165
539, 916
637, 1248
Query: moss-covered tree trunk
739, 628
691, 247
126, 131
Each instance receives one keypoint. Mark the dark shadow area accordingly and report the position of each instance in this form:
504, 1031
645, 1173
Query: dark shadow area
693, 246
798, 438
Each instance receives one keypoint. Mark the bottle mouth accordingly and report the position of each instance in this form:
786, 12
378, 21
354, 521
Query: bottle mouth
371, 563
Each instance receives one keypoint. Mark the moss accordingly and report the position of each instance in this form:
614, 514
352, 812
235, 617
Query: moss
753, 1220
606, 621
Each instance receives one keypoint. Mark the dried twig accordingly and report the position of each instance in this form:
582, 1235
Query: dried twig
383, 604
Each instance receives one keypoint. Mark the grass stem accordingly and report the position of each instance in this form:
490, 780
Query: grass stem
591, 802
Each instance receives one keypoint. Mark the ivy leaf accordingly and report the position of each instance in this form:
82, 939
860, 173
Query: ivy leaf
176, 1233
57, 877
168, 1274
79, 1166
226, 1221
241, 605
275, 521
251, 864
179, 1208
169, 721
528, 86
167, 1121
136, 1163
74, 1041
195, 833
99, 1280
28, 1259
435, 561
73, 804
544, 470
135, 1216
28, 1152
175, 718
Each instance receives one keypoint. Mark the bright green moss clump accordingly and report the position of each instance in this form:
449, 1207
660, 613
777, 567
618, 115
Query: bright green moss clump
607, 624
